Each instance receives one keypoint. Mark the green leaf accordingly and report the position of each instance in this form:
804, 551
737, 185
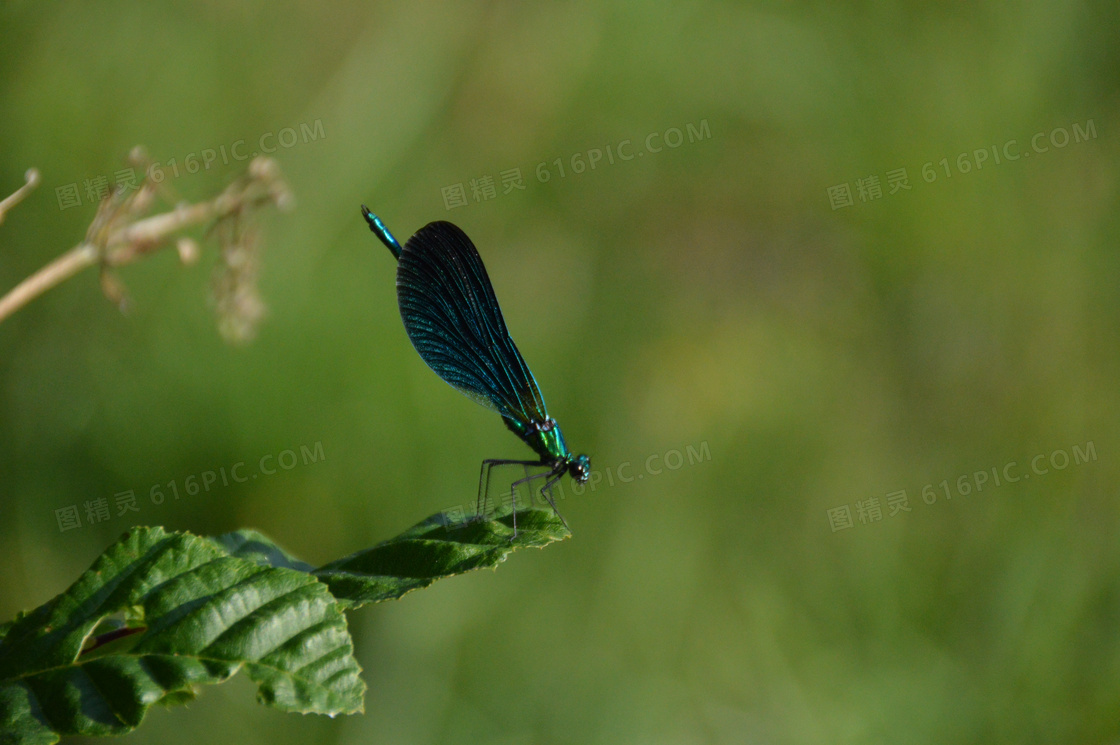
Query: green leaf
258, 548
198, 614
159, 614
433, 550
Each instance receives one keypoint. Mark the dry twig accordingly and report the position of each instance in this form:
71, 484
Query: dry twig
121, 234
32, 179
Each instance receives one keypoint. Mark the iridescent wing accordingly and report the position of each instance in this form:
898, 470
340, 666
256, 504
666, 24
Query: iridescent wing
452, 317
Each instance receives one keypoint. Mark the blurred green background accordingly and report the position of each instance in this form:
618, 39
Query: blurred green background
718, 298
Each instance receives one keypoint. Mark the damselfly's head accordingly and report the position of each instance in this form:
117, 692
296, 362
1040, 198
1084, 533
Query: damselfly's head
579, 468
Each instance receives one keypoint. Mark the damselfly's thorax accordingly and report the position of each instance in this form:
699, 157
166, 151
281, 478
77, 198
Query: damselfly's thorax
546, 439
544, 436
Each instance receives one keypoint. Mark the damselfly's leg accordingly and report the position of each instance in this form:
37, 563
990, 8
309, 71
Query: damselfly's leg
556, 476
484, 483
513, 490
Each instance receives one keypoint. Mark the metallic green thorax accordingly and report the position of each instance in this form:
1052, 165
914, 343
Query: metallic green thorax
545, 438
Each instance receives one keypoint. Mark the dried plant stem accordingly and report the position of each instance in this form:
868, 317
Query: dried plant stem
116, 237
124, 246
59, 270
32, 180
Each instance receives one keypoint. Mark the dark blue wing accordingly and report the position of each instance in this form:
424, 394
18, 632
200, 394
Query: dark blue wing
453, 319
